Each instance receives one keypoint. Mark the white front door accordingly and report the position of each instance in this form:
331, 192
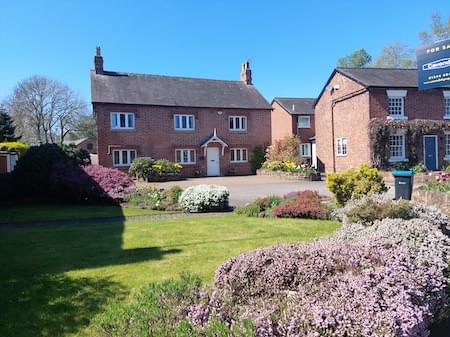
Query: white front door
213, 159
313, 155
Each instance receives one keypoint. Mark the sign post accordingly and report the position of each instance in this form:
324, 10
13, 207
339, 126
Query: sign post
433, 65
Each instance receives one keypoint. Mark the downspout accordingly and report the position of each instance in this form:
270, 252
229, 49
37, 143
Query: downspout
333, 104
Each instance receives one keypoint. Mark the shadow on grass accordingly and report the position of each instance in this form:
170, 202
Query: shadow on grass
38, 299
53, 305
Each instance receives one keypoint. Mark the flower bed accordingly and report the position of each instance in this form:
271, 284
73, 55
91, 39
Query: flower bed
148, 169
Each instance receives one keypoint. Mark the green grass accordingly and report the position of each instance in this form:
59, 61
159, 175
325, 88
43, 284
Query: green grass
66, 212
53, 280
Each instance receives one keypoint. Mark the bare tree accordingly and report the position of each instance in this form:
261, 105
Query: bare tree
440, 29
45, 110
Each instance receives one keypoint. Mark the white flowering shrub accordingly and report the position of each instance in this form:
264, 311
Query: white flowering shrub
204, 198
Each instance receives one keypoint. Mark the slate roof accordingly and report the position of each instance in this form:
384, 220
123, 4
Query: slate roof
297, 106
382, 77
128, 88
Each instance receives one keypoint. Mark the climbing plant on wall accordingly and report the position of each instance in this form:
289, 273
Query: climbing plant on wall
379, 131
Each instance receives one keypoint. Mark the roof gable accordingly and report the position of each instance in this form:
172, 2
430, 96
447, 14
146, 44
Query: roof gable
376, 77
127, 88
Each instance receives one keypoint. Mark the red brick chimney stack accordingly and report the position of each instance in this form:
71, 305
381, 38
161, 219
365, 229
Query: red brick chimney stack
98, 61
246, 73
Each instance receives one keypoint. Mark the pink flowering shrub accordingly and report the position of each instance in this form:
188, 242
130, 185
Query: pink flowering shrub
91, 183
440, 183
304, 204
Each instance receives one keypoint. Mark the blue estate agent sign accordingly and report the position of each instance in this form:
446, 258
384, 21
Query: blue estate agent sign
433, 65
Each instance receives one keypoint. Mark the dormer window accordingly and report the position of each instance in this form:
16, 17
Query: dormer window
396, 104
446, 104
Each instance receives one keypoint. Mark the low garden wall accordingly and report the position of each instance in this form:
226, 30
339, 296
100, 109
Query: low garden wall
289, 175
419, 178
437, 199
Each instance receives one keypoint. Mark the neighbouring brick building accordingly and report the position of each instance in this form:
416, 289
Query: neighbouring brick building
208, 126
295, 116
353, 98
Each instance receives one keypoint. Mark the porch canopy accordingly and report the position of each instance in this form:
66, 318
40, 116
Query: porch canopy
214, 139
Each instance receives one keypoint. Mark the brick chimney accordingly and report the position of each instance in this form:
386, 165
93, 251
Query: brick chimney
98, 61
246, 73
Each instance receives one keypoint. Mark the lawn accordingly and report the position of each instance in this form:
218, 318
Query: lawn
65, 212
53, 280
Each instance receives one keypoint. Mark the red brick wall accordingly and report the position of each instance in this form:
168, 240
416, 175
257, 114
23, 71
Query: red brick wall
154, 134
305, 134
418, 105
3, 163
351, 120
283, 124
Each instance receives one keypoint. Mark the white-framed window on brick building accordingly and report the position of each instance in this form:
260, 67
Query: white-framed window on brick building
305, 150
304, 122
396, 104
447, 146
122, 120
238, 155
184, 122
123, 157
341, 146
397, 146
237, 123
185, 156
446, 104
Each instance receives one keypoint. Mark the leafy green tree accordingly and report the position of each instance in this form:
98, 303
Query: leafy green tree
439, 30
358, 59
84, 127
396, 55
7, 128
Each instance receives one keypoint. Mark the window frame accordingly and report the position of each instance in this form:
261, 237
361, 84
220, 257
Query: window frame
447, 145
241, 118
446, 104
300, 126
308, 146
395, 95
127, 121
394, 159
129, 161
341, 147
190, 162
187, 116
240, 150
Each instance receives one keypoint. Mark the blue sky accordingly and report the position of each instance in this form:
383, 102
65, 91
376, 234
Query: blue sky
293, 45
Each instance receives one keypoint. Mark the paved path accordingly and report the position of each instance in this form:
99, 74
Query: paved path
244, 189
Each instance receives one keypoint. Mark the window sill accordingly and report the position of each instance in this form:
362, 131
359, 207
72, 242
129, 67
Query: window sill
238, 162
122, 166
400, 118
187, 163
185, 130
341, 155
446, 117
123, 129
303, 127
397, 160
447, 158
238, 131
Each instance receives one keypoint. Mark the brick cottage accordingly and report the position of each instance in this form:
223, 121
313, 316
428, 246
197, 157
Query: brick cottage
295, 116
209, 126
355, 99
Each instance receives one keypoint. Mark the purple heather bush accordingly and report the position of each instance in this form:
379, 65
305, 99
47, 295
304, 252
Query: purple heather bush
387, 278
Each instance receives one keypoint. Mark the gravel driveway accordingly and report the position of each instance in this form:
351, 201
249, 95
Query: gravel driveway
244, 189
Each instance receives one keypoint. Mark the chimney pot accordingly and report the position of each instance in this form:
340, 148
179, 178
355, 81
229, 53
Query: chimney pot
246, 73
98, 61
